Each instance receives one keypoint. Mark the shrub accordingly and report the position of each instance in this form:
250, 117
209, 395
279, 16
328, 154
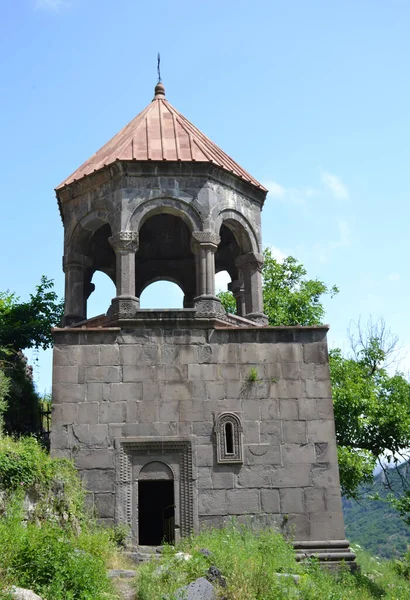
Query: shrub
55, 563
250, 562
53, 483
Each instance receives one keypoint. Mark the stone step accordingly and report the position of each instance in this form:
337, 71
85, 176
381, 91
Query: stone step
143, 553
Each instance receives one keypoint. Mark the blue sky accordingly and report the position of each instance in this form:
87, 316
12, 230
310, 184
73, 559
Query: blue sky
312, 97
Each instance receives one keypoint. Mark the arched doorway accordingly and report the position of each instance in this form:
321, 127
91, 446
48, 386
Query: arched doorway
156, 505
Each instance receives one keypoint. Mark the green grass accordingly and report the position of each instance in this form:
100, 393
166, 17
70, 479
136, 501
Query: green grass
250, 562
55, 563
55, 549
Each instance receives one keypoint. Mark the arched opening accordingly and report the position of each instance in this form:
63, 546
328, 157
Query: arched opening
162, 294
222, 281
103, 291
156, 505
228, 251
228, 438
99, 286
164, 254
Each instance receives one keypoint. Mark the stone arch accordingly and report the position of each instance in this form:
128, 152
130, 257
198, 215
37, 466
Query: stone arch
165, 252
173, 206
88, 224
161, 278
87, 250
156, 471
240, 227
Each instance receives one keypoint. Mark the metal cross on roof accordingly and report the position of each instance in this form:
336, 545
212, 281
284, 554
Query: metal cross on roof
159, 67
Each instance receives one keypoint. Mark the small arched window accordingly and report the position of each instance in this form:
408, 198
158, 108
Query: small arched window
228, 432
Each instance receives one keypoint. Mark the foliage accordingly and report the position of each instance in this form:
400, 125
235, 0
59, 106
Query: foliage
289, 298
22, 413
228, 302
28, 324
373, 522
4, 392
372, 412
253, 375
250, 562
53, 483
55, 563
119, 535
25, 325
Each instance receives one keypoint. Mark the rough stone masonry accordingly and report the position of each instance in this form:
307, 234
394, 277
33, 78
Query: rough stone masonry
179, 419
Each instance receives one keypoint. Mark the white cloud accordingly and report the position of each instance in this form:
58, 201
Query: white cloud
49, 4
275, 190
298, 196
393, 276
278, 254
335, 185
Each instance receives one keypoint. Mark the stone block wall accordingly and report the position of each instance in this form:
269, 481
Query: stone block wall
113, 385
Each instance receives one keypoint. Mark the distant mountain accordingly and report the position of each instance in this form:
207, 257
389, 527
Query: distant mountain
374, 524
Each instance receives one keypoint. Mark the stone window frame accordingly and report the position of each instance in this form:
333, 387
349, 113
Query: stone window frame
184, 484
222, 454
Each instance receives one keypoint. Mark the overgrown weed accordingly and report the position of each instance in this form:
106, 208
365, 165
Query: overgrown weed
57, 564
250, 562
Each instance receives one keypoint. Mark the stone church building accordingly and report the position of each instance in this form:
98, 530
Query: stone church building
179, 419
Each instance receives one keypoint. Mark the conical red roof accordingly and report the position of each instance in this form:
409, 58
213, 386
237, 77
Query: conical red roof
160, 133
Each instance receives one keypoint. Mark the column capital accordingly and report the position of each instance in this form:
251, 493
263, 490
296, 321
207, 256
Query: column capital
124, 241
236, 286
75, 260
205, 238
250, 259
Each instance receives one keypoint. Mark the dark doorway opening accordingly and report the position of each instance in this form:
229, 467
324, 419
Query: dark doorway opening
155, 512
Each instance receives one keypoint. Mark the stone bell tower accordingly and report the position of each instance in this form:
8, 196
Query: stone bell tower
161, 201
161, 409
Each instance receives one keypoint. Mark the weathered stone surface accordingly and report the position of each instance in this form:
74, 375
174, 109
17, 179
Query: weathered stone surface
174, 388
23, 594
292, 500
270, 501
124, 573
213, 502
240, 502
200, 589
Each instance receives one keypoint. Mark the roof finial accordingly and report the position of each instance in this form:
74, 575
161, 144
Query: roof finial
159, 88
159, 67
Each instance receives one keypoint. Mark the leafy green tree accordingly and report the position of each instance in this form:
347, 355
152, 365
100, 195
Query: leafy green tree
25, 325
289, 298
371, 405
4, 391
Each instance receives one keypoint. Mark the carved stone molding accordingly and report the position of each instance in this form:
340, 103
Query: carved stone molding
161, 447
260, 318
208, 307
207, 237
75, 260
237, 287
123, 308
124, 241
250, 259
229, 452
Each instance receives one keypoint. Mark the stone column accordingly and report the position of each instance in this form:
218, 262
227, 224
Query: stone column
238, 290
125, 304
250, 266
204, 246
75, 301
